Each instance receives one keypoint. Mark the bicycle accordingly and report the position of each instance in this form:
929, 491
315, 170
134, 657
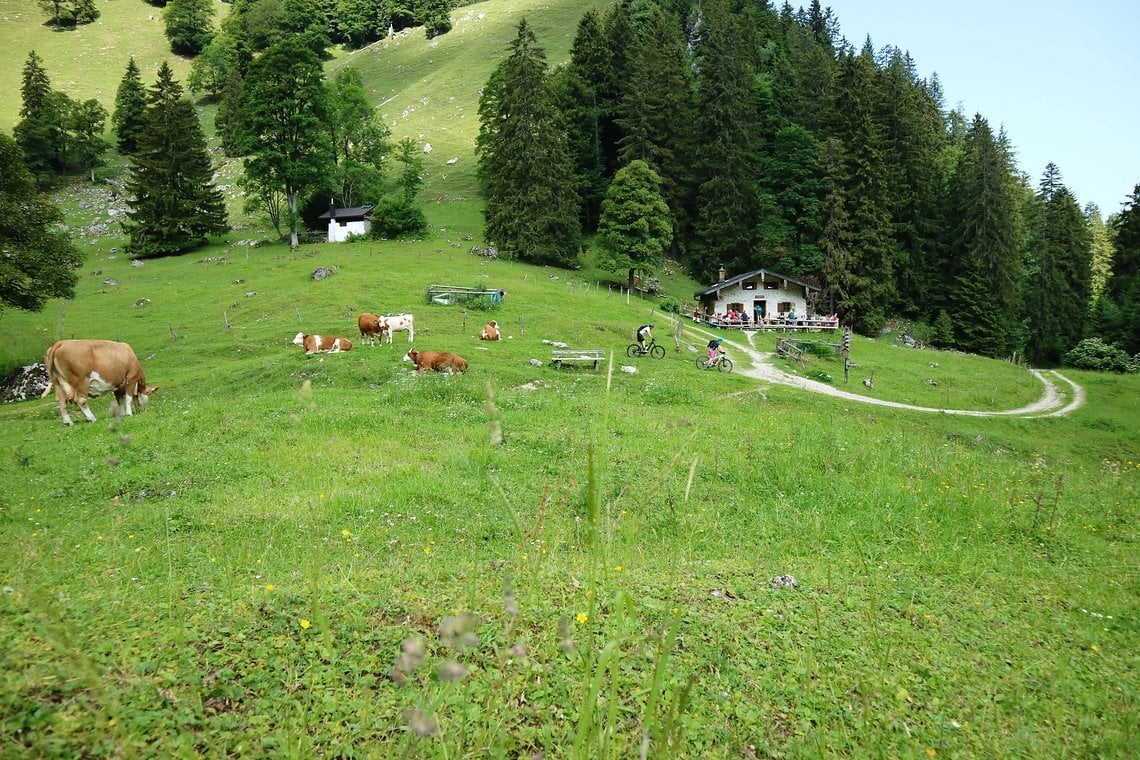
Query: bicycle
653, 349
721, 362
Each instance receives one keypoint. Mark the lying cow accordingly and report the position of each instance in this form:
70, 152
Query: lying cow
438, 361
82, 369
371, 328
490, 332
398, 323
322, 344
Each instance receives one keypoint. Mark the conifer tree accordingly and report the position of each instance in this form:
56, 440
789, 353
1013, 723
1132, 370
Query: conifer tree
1100, 248
525, 166
984, 265
621, 38
40, 131
724, 167
836, 241
174, 202
635, 228
657, 115
130, 109
1123, 288
576, 88
865, 187
1059, 287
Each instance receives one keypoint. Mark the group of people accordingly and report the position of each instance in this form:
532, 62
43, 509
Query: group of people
645, 332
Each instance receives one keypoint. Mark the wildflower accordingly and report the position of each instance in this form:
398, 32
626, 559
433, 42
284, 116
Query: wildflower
581, 617
138, 549
617, 568
322, 497
269, 587
1095, 648
930, 752
450, 670
421, 722
458, 631
346, 533
518, 651
427, 550
305, 623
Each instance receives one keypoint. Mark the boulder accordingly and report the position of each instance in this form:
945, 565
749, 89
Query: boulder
23, 383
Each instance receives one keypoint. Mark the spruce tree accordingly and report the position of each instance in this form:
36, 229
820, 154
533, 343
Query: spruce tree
174, 202
1123, 287
130, 109
836, 240
724, 166
866, 191
576, 87
1059, 290
40, 133
984, 265
635, 228
658, 114
525, 166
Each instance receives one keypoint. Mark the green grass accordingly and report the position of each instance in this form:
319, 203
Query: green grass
956, 574
253, 565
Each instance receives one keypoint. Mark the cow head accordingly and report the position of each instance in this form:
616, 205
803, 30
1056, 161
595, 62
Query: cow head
144, 395
412, 356
493, 324
299, 340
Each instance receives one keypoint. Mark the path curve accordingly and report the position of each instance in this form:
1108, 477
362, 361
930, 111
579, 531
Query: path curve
1049, 405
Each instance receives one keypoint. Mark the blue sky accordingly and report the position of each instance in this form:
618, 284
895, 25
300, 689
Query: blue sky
1063, 78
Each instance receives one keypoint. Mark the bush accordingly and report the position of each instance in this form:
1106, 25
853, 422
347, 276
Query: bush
395, 218
1096, 355
670, 305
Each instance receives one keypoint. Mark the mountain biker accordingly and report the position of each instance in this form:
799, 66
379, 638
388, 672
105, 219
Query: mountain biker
643, 332
714, 346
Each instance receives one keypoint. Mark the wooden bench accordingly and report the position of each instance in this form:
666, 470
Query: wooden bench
561, 356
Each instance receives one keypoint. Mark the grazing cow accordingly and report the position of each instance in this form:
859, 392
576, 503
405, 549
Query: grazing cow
322, 344
437, 361
490, 332
371, 328
82, 369
399, 323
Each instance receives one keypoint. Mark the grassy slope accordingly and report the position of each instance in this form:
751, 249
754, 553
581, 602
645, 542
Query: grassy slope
956, 574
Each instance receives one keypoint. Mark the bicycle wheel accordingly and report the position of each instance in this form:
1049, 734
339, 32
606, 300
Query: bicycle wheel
725, 364
702, 363
657, 352
633, 351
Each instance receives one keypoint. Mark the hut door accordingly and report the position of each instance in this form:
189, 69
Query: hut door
760, 308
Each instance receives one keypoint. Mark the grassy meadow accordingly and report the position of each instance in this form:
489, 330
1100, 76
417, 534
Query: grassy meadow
291, 556
330, 555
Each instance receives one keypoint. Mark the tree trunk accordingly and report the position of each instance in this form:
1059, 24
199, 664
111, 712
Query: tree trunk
293, 239
632, 277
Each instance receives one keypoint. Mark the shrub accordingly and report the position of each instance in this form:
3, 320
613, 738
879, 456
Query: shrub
670, 305
395, 218
1095, 354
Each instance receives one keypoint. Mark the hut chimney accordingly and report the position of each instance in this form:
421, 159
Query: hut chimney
332, 209
720, 274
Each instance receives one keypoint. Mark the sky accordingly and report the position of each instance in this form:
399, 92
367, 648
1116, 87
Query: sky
1062, 78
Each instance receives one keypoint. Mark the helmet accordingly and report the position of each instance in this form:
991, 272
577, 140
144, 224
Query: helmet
651, 324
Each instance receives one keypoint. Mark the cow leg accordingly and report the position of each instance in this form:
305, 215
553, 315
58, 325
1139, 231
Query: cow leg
83, 407
61, 399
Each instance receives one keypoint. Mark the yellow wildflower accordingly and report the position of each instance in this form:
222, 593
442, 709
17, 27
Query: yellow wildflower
305, 623
617, 568
581, 617
346, 533
427, 550
269, 587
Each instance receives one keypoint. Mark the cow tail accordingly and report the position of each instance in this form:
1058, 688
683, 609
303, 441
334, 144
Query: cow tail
49, 366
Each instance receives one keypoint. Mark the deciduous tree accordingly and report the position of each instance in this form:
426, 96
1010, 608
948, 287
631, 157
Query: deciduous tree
189, 25
283, 115
37, 260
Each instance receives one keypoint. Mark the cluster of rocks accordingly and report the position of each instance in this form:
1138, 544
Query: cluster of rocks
23, 383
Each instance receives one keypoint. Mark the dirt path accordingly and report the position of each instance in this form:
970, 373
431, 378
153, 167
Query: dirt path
1051, 403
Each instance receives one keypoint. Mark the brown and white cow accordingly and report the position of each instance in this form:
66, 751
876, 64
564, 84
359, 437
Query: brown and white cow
322, 344
394, 323
371, 328
438, 361
490, 332
82, 369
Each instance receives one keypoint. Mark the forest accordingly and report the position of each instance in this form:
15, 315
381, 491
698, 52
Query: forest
727, 133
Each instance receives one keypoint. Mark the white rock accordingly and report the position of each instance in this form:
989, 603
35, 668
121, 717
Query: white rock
629, 370
427, 147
